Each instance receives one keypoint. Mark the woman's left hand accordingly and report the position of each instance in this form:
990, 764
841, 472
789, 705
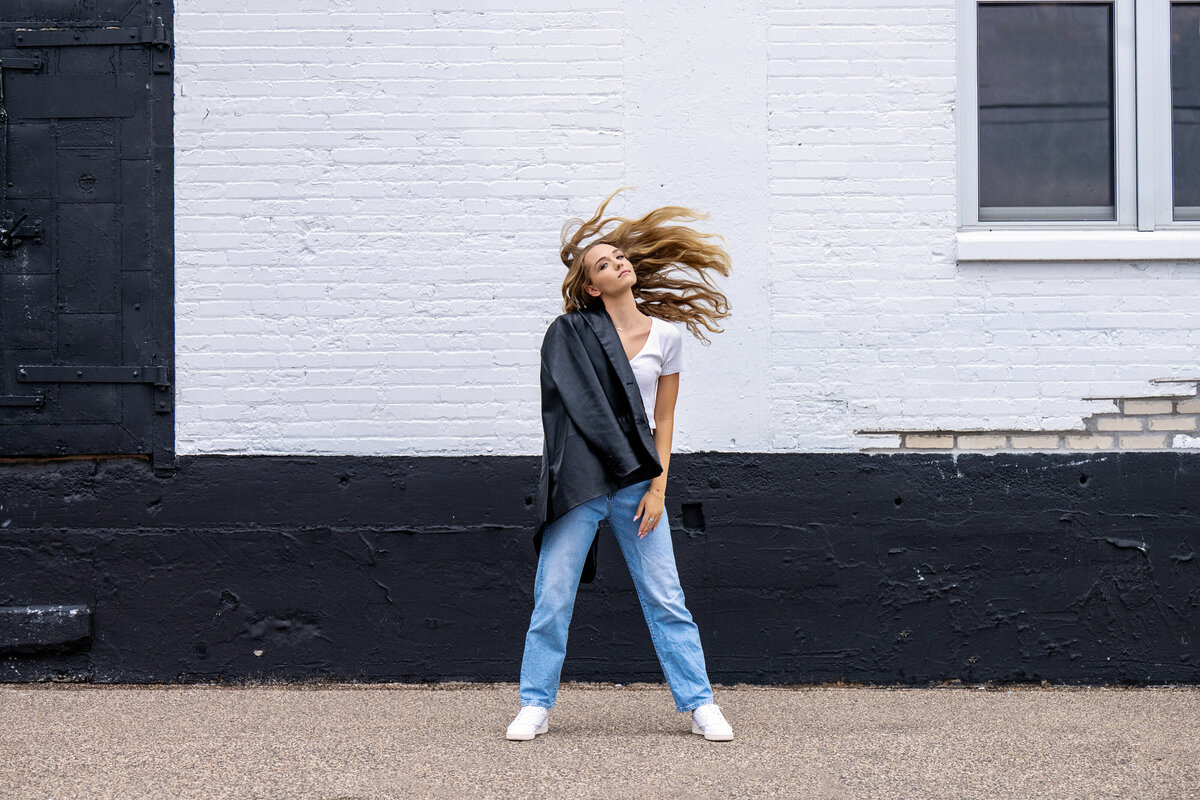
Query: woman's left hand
650, 510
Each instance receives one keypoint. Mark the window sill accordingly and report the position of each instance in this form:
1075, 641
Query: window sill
1095, 245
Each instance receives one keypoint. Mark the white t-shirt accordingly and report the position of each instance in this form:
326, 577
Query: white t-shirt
661, 355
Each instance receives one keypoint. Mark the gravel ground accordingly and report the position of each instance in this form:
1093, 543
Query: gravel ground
360, 741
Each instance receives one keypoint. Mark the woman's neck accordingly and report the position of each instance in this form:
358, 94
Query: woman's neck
624, 312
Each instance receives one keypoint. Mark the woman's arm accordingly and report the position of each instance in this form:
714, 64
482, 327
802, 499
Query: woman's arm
664, 425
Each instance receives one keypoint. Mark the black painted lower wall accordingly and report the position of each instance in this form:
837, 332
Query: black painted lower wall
1078, 568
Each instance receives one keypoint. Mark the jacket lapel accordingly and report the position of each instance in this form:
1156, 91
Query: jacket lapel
602, 326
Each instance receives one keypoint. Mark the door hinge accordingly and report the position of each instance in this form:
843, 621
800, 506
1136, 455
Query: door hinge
13, 231
33, 62
37, 400
155, 35
53, 373
39, 373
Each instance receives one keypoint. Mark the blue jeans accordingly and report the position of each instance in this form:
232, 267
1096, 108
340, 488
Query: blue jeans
651, 561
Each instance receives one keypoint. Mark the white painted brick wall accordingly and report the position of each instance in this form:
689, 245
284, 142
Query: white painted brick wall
368, 203
874, 324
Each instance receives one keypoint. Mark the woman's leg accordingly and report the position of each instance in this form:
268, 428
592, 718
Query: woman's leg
565, 545
651, 561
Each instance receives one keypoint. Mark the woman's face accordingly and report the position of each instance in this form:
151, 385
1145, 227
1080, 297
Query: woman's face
609, 270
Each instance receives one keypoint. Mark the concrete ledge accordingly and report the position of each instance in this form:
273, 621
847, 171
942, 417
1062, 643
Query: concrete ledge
1076, 245
28, 629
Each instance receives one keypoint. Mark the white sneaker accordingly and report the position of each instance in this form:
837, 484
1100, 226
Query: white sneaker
709, 720
530, 721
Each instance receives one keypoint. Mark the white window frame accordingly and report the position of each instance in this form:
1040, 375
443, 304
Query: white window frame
1144, 227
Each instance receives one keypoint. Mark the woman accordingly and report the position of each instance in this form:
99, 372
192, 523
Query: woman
610, 377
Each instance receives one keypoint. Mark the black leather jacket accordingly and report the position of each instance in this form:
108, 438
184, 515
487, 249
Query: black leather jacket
596, 434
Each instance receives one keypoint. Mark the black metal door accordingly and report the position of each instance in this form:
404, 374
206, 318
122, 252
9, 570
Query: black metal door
86, 275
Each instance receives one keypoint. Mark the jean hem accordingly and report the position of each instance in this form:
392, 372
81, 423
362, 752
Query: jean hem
693, 706
539, 705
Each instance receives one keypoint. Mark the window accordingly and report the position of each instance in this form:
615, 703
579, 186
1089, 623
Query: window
1079, 129
1185, 110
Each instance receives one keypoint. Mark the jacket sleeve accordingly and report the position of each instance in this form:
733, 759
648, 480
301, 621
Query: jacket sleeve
567, 369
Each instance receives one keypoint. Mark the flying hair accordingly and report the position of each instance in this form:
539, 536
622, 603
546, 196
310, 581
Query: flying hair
662, 253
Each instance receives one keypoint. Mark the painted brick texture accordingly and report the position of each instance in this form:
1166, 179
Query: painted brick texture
872, 318
369, 196
1140, 423
368, 203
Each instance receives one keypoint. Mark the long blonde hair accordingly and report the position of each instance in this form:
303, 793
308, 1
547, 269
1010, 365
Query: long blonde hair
659, 253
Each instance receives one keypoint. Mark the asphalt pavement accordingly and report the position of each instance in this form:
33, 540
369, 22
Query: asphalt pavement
377, 741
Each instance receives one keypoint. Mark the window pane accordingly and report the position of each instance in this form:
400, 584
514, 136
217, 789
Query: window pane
1046, 111
1185, 108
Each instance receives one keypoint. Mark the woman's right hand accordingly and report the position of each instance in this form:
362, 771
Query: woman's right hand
650, 510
